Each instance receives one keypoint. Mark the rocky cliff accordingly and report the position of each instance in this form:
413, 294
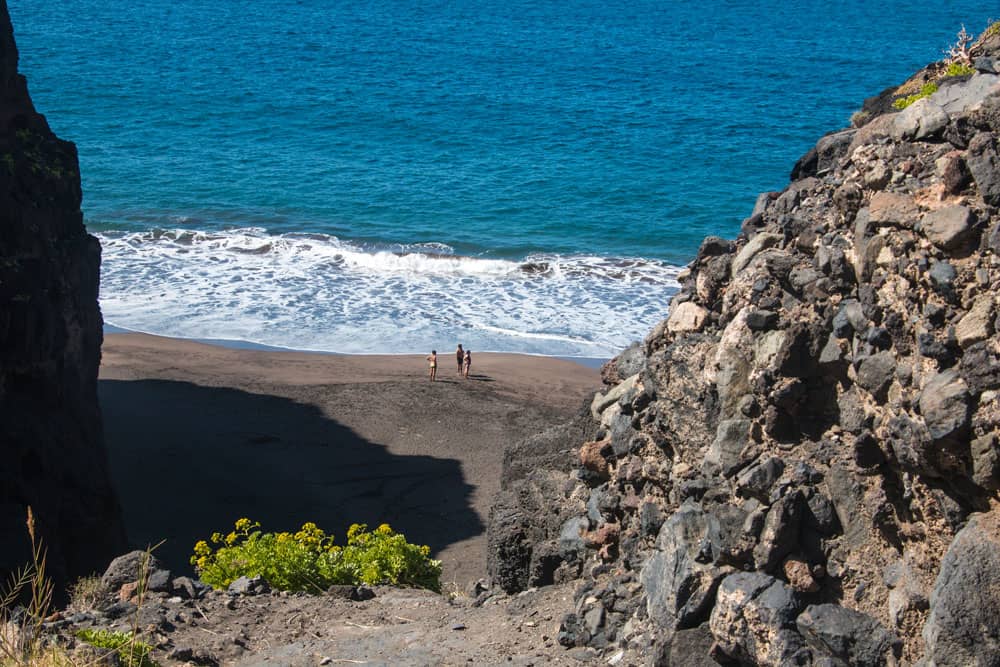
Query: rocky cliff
50, 341
801, 464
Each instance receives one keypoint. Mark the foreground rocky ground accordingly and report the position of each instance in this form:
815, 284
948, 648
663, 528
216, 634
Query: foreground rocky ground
801, 465
191, 624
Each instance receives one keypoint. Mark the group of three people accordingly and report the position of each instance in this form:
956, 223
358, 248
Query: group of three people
463, 357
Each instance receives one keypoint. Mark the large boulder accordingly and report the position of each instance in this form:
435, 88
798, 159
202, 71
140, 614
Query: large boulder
848, 635
680, 577
963, 627
753, 621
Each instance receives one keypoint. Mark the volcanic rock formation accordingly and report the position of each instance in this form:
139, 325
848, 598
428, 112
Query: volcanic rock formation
801, 464
53, 457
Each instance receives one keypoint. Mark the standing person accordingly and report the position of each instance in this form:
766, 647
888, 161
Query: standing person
460, 357
467, 364
434, 364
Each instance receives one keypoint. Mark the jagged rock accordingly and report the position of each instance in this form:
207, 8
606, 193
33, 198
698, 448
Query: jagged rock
963, 627
984, 164
962, 96
987, 65
249, 586
822, 515
725, 454
819, 159
650, 518
754, 620
948, 228
906, 595
688, 648
602, 402
680, 578
758, 244
127, 568
571, 541
985, 453
924, 118
977, 324
875, 373
756, 481
687, 316
944, 404
630, 362
954, 172
781, 530
892, 208
592, 457
188, 588
980, 366
831, 405
160, 581
943, 274
761, 320
509, 552
855, 638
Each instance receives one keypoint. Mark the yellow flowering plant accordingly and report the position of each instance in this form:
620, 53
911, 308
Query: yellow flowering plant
308, 560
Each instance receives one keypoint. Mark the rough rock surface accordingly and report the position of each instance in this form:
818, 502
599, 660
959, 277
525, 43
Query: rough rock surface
50, 339
784, 463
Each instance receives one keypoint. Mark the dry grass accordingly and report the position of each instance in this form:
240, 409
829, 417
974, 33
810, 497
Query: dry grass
26, 604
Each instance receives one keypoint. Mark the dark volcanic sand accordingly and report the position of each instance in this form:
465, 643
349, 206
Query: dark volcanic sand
200, 435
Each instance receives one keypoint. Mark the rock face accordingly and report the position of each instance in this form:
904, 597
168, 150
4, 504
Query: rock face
803, 460
50, 340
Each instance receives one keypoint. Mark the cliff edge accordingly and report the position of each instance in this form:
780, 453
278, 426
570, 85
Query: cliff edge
801, 464
50, 346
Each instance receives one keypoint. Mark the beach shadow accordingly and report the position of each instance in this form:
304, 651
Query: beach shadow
188, 460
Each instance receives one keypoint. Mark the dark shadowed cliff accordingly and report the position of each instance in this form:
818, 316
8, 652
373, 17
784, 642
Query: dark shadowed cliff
801, 464
53, 457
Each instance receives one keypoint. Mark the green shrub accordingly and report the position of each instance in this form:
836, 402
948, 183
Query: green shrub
310, 561
926, 90
959, 69
131, 652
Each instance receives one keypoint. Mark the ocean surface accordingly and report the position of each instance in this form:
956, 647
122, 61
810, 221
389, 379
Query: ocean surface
390, 177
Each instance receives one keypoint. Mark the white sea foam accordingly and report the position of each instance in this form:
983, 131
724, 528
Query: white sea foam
318, 292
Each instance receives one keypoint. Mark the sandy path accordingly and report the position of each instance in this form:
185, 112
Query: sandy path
200, 435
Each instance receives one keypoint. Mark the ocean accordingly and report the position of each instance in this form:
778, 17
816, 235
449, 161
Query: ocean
397, 176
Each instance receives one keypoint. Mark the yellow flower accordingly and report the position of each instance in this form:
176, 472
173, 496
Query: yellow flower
216, 538
231, 539
201, 548
384, 529
243, 524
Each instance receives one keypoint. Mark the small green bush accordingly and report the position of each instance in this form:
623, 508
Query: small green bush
310, 561
926, 90
959, 69
131, 652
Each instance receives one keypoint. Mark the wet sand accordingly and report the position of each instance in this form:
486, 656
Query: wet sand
200, 435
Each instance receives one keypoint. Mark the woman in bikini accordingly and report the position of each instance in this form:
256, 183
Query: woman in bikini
466, 364
434, 364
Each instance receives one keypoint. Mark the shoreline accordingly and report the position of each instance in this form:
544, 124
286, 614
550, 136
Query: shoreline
589, 362
286, 437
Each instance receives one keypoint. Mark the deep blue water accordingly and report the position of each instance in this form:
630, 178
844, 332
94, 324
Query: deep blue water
372, 176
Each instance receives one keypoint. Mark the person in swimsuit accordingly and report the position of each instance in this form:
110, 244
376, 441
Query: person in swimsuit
460, 357
434, 364
467, 364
